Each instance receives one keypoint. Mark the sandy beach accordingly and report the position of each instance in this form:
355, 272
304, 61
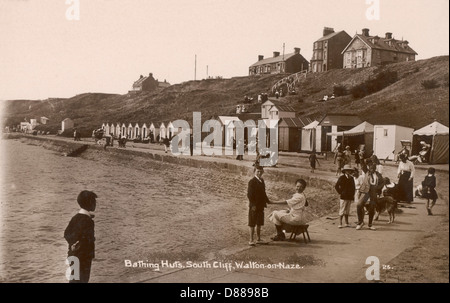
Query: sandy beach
153, 211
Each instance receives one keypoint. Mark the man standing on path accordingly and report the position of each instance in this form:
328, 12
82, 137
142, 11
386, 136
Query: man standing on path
258, 200
372, 183
345, 186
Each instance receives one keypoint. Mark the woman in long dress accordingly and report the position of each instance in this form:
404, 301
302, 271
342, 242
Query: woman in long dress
293, 216
405, 179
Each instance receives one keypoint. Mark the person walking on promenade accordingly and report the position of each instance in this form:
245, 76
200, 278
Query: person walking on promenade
347, 156
293, 216
339, 160
313, 160
429, 189
405, 174
166, 142
345, 186
258, 200
80, 236
373, 183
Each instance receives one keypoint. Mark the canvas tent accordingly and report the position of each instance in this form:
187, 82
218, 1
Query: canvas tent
360, 134
435, 134
309, 136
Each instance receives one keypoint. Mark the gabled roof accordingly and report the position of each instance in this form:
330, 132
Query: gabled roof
225, 120
340, 120
311, 125
382, 44
329, 36
282, 108
361, 129
276, 59
434, 128
296, 122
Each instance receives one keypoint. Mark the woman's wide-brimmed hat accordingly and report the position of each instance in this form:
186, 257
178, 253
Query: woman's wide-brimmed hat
347, 167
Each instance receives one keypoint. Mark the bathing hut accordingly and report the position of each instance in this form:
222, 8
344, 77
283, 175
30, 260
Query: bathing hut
130, 131
386, 141
162, 131
144, 131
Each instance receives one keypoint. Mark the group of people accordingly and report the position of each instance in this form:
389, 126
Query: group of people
367, 187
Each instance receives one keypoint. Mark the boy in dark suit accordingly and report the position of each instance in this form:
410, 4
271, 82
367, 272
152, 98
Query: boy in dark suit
80, 236
257, 202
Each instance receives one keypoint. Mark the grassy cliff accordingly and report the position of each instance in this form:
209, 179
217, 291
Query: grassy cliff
404, 102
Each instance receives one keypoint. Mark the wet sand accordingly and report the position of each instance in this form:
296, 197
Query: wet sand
147, 210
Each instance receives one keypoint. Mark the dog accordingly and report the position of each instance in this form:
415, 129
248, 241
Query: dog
388, 202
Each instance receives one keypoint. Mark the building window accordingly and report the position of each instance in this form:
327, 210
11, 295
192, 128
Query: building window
385, 132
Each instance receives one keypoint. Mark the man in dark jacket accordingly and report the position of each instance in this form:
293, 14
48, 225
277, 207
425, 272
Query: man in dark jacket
80, 236
257, 202
345, 186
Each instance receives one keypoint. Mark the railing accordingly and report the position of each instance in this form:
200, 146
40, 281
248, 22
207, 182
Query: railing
290, 81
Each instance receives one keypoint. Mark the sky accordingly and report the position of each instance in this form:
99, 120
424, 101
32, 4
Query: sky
45, 54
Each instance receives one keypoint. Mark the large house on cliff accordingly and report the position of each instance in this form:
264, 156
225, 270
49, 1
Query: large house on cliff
365, 50
327, 51
148, 84
279, 64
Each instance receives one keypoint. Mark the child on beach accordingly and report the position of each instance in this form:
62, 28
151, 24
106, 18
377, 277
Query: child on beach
258, 200
79, 234
345, 186
428, 189
313, 160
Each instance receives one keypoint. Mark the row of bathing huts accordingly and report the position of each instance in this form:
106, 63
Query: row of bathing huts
134, 131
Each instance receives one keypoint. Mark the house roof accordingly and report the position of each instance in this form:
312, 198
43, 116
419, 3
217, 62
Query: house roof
311, 125
295, 122
282, 108
276, 59
434, 128
360, 129
225, 120
340, 120
249, 116
329, 36
382, 44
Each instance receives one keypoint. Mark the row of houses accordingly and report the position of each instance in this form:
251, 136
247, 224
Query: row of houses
336, 50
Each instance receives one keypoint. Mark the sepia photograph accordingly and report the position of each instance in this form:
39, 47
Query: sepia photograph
245, 142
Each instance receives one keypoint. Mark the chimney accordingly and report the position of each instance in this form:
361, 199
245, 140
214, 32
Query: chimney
297, 50
150, 75
276, 54
388, 35
327, 31
365, 32
141, 77
260, 57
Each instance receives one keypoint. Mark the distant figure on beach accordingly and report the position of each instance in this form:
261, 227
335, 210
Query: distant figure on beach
75, 135
339, 160
258, 200
293, 216
240, 147
347, 156
166, 143
312, 160
345, 186
429, 189
80, 235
